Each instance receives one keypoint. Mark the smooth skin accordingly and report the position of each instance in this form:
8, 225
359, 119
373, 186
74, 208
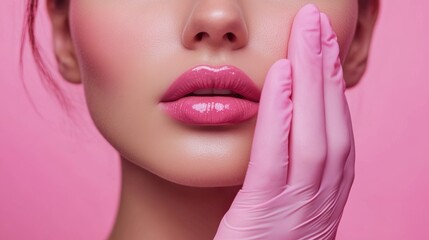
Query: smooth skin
179, 181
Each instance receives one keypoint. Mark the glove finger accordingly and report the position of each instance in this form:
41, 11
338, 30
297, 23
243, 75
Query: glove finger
349, 167
308, 137
270, 154
337, 119
346, 182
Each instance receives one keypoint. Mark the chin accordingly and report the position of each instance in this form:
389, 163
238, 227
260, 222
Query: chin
205, 171
201, 170
214, 179
189, 156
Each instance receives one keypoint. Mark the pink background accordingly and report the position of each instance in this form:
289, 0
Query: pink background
60, 180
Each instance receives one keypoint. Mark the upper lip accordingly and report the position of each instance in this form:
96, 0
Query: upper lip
206, 77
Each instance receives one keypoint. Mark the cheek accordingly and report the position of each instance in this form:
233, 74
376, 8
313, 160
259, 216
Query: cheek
116, 47
273, 32
109, 41
270, 23
101, 45
343, 16
116, 41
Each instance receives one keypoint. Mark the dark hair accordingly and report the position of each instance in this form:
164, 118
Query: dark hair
29, 32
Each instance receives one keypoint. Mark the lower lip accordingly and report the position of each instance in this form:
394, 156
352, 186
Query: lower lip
215, 110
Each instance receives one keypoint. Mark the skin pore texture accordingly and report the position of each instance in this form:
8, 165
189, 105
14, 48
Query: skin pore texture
179, 180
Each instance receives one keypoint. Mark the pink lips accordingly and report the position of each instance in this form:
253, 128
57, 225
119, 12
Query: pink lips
212, 96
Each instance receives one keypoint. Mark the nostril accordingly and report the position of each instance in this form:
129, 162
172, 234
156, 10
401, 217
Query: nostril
200, 36
228, 37
231, 37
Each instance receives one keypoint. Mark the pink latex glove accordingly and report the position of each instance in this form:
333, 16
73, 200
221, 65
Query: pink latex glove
302, 164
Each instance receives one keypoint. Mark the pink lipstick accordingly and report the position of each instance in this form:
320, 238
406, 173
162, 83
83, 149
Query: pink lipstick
207, 95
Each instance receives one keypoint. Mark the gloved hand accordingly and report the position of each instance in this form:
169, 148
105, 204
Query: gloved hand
302, 163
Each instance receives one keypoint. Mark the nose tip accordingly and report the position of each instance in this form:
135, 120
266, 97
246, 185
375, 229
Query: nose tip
215, 24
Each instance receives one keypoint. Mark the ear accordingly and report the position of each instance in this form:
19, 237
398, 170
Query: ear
357, 57
58, 11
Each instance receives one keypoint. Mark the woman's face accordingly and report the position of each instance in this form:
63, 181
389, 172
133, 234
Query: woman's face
130, 52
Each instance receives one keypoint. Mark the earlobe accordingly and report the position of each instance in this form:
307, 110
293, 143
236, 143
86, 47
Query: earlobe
62, 42
357, 58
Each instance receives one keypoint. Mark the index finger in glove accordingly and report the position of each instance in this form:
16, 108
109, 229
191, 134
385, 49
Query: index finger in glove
269, 158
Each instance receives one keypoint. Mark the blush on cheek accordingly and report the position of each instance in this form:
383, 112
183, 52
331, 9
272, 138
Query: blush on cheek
342, 15
102, 46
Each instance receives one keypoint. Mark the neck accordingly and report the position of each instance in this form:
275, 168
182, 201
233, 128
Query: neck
154, 208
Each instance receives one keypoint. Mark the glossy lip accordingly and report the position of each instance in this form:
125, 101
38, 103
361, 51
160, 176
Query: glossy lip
205, 77
212, 110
